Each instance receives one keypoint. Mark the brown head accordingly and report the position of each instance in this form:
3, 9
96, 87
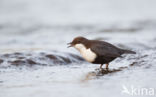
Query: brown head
82, 45
78, 40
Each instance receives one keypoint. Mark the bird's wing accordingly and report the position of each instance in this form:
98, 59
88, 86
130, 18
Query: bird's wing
106, 49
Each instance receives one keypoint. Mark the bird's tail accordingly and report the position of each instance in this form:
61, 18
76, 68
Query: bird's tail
129, 52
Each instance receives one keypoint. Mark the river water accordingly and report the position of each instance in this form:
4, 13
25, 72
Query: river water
35, 60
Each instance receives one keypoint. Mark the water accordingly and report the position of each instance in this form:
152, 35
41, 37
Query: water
35, 60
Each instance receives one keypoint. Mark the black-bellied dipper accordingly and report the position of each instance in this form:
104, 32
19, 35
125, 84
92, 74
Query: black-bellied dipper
97, 52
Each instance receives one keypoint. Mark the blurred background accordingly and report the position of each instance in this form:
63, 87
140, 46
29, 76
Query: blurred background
25, 23
37, 26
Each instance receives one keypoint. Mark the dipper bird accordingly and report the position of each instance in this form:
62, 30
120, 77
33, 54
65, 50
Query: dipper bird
97, 52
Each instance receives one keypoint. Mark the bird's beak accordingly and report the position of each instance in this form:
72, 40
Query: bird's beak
70, 44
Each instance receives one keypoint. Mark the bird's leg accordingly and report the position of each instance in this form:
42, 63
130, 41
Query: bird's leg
101, 66
107, 66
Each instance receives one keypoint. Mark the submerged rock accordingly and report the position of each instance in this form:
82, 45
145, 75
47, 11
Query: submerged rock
39, 58
31, 61
1, 61
17, 62
52, 57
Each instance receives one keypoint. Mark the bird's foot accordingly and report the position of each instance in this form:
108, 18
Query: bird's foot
101, 69
97, 69
107, 69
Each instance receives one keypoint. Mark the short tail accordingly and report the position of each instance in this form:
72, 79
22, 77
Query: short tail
128, 52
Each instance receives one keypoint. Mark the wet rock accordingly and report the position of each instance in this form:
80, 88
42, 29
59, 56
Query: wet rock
98, 72
67, 60
103, 72
20, 57
139, 63
54, 59
39, 58
133, 63
42, 53
108, 71
13, 55
51, 57
63, 60
140, 57
17, 62
17, 53
29, 61
1, 61
6, 55
76, 57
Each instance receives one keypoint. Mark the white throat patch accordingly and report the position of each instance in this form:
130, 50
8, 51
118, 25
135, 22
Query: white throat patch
87, 54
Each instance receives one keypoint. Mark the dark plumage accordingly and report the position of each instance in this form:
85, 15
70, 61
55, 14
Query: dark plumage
105, 52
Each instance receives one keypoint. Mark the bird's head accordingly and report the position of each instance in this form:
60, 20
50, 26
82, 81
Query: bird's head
78, 42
